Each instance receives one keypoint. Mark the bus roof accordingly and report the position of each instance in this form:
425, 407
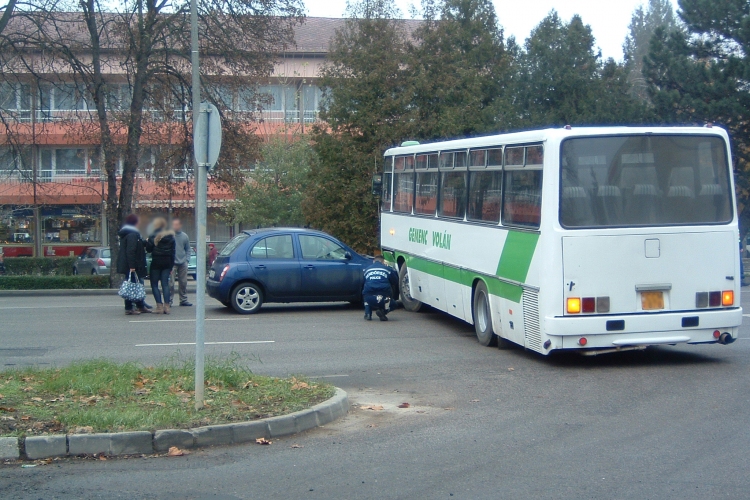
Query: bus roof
542, 135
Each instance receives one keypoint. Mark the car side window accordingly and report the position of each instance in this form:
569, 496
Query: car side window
91, 254
106, 253
315, 247
273, 247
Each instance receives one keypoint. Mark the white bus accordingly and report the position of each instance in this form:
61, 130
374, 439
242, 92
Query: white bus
595, 239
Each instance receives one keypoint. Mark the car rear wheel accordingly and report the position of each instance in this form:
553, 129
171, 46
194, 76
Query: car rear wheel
483, 316
404, 289
246, 298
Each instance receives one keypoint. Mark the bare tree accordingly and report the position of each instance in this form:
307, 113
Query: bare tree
146, 42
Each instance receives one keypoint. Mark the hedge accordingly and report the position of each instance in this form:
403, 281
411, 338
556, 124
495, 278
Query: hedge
39, 266
52, 282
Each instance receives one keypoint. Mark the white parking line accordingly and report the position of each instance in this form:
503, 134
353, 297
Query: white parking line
183, 320
209, 343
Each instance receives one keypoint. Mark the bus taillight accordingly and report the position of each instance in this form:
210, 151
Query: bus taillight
727, 298
574, 305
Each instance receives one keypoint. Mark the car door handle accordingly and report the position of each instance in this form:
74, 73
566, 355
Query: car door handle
309, 266
261, 266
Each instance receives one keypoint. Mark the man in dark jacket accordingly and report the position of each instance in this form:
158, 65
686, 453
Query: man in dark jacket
380, 281
131, 259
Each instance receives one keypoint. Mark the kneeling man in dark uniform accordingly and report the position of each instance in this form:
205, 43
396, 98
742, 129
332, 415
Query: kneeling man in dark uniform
380, 283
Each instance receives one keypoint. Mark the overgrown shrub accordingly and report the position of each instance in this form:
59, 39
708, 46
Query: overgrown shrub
39, 266
52, 282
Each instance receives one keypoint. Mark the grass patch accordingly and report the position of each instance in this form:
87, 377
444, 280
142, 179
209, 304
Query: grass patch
103, 396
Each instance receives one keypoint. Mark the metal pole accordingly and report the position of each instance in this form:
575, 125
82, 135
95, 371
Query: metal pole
201, 176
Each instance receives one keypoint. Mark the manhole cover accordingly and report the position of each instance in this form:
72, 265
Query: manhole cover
23, 352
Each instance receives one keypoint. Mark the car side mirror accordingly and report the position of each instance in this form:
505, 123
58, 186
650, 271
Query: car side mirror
348, 256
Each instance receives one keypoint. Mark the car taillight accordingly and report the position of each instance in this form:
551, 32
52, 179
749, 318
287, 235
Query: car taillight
100, 262
224, 272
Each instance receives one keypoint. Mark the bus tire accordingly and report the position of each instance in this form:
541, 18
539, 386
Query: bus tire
409, 303
483, 316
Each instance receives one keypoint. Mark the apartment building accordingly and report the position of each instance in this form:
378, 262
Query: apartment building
51, 186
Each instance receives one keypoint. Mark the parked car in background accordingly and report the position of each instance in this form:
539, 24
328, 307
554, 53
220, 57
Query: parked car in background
285, 265
93, 260
193, 264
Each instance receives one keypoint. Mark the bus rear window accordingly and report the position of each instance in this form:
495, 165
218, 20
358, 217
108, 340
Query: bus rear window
649, 180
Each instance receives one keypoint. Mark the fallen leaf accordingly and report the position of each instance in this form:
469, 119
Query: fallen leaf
213, 388
83, 430
175, 452
372, 407
404, 405
102, 458
38, 400
263, 441
7, 408
1, 396
247, 384
300, 385
297, 446
138, 384
511, 369
26, 417
142, 392
27, 389
6, 418
474, 401
420, 411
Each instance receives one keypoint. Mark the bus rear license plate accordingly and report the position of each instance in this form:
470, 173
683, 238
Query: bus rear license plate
651, 301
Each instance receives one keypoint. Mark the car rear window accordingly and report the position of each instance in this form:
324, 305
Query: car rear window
233, 244
106, 253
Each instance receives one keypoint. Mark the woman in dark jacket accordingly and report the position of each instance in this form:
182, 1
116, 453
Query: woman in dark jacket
132, 259
161, 245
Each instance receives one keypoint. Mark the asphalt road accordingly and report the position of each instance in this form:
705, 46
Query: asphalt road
669, 422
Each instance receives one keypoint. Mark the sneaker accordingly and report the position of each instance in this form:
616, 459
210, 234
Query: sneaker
381, 315
186, 304
368, 317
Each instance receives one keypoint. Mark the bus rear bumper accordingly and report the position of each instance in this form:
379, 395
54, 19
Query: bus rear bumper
642, 329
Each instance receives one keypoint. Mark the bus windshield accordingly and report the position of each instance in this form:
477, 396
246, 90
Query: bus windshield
645, 180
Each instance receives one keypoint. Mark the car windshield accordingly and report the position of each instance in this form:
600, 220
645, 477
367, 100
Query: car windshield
646, 180
233, 244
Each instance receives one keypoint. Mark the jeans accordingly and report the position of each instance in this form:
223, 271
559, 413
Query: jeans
129, 304
180, 275
160, 275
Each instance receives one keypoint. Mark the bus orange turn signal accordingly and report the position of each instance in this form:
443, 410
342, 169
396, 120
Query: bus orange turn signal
574, 305
727, 298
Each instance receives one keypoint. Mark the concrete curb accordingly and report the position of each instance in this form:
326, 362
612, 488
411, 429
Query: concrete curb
143, 442
72, 292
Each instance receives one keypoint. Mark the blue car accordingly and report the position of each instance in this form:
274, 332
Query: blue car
285, 265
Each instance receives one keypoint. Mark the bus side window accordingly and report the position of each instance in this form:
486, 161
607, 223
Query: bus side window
522, 198
387, 183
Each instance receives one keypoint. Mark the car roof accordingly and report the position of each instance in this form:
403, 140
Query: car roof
271, 230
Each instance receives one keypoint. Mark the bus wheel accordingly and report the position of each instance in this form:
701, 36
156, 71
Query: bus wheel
483, 316
404, 291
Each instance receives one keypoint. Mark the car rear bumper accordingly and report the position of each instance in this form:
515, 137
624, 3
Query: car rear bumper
213, 288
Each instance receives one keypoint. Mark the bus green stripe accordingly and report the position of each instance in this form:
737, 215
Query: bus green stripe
517, 254
464, 277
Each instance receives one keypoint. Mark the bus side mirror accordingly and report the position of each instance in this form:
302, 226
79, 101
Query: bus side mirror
377, 184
